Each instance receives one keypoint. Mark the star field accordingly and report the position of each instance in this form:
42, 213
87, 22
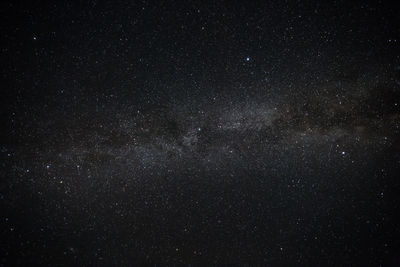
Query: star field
200, 133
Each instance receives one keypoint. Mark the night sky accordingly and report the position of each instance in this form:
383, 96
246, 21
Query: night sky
196, 132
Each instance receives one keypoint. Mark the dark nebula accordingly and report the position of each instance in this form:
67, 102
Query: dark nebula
245, 133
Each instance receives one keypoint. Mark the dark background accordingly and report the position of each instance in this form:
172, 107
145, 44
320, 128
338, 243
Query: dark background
200, 132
